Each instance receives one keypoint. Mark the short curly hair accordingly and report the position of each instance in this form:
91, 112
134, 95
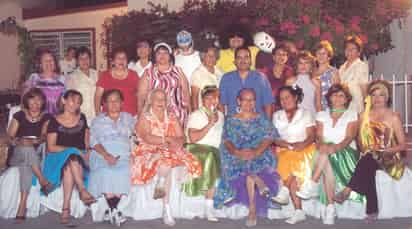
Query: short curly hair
335, 88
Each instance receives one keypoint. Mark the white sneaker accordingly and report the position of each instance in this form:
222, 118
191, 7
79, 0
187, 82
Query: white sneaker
108, 216
308, 190
167, 216
329, 217
210, 215
118, 217
282, 197
298, 216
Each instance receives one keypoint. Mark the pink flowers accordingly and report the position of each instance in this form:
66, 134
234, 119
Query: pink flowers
305, 19
326, 36
263, 21
339, 28
289, 27
364, 38
315, 31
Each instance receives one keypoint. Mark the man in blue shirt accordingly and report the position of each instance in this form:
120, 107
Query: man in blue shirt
232, 82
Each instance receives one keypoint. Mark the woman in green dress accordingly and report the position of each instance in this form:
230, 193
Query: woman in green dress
337, 158
204, 131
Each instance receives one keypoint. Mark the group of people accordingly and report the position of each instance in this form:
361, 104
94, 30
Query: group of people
255, 126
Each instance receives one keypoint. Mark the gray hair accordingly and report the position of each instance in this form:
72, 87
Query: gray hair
149, 99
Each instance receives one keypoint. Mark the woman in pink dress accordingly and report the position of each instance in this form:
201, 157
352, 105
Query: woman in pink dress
164, 75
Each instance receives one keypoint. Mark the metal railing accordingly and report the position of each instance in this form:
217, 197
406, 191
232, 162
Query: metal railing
400, 91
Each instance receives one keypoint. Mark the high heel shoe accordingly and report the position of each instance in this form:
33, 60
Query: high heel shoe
65, 219
86, 197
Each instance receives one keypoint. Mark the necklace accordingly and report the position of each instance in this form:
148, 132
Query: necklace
338, 110
31, 118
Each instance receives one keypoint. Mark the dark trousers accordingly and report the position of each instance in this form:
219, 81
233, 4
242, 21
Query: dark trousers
363, 182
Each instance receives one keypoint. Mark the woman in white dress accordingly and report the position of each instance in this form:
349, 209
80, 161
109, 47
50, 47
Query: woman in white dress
143, 51
354, 72
84, 80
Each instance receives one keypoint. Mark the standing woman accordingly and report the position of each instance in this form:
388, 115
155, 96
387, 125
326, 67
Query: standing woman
27, 130
48, 79
84, 80
144, 52
68, 152
296, 127
164, 75
207, 74
68, 63
325, 75
336, 131
280, 71
381, 140
354, 72
121, 78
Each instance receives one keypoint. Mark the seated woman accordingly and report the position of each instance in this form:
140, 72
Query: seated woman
161, 149
27, 130
247, 161
297, 145
67, 141
205, 128
381, 139
336, 130
109, 160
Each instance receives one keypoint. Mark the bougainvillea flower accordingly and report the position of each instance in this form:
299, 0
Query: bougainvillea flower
315, 31
305, 19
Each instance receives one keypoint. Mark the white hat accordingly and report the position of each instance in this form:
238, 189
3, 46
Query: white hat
163, 44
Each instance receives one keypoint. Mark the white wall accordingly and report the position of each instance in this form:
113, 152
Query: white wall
398, 62
87, 19
140, 4
9, 59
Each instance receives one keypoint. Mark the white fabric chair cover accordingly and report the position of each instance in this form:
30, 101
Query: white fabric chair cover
10, 195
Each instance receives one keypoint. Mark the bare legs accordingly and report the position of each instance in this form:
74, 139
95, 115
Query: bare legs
73, 175
250, 185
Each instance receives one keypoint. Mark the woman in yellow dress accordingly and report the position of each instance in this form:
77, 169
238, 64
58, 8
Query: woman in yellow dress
296, 127
381, 139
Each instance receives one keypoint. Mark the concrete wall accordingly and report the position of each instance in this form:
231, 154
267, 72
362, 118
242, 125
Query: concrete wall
9, 59
86, 19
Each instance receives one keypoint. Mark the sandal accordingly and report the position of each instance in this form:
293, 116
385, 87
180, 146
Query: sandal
86, 197
341, 197
20, 219
47, 188
65, 219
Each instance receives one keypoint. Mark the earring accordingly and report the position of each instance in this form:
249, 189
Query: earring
238, 109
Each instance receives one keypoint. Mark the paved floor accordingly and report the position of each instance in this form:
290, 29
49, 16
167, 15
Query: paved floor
50, 221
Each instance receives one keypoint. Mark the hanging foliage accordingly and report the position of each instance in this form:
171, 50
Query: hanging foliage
25, 47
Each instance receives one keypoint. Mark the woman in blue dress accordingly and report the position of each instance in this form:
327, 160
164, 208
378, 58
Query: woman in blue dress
67, 152
110, 134
247, 161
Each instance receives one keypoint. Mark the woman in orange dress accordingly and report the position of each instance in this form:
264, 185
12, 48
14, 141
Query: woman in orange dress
161, 149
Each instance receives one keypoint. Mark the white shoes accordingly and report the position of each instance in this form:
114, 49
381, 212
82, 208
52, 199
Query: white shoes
108, 216
309, 189
329, 217
167, 216
210, 215
282, 197
298, 216
118, 217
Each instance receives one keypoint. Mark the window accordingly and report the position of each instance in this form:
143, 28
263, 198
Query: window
59, 40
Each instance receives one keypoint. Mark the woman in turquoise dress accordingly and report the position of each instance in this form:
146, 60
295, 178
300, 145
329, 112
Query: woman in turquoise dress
68, 152
337, 158
247, 161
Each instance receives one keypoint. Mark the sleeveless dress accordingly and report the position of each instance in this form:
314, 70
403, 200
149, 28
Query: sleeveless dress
146, 158
170, 82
